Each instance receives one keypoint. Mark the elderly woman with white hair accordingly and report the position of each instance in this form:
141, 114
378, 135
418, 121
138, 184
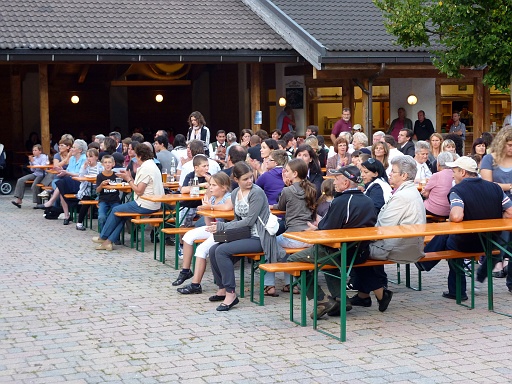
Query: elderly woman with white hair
65, 184
421, 152
437, 188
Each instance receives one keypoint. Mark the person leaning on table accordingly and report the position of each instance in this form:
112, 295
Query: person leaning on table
467, 199
350, 208
148, 182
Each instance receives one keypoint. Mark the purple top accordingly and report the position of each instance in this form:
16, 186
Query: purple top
272, 184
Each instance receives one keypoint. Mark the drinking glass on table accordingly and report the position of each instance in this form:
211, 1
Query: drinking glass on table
164, 175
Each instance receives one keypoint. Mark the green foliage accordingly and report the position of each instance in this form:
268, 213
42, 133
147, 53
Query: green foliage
459, 33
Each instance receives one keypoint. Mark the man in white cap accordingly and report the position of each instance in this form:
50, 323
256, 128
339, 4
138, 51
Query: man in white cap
466, 199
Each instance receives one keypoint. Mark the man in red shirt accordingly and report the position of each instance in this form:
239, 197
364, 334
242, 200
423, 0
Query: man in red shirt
342, 125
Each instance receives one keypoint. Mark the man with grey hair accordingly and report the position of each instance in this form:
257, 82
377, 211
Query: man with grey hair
230, 140
404, 207
359, 140
378, 137
422, 150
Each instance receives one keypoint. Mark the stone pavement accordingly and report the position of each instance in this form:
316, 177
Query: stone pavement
70, 313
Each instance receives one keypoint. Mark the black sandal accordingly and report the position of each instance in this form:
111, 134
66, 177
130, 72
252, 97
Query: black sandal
268, 288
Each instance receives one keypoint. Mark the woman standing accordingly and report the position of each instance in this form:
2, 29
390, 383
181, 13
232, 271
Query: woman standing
497, 167
342, 157
148, 182
198, 130
250, 203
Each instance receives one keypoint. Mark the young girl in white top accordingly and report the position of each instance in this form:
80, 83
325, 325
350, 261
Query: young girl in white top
219, 199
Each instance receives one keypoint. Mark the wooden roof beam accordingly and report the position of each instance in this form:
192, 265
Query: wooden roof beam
83, 73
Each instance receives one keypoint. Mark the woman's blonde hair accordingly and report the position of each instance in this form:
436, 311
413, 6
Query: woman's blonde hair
499, 144
222, 180
327, 189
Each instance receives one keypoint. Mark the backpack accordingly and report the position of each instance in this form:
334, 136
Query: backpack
52, 213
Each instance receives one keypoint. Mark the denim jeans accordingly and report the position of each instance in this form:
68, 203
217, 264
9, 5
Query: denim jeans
103, 208
114, 224
284, 242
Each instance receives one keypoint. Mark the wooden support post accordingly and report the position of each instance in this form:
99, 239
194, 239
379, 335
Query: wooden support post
44, 107
255, 93
366, 129
439, 107
478, 108
17, 114
348, 95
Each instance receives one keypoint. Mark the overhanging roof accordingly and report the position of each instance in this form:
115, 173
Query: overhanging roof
331, 32
137, 30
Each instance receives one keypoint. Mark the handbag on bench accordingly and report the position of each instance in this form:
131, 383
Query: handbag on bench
232, 234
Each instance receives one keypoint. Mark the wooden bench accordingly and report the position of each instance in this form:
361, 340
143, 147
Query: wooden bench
299, 270
29, 182
90, 213
139, 226
134, 215
257, 260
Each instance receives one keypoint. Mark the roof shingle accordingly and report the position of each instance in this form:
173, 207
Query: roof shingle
134, 24
348, 25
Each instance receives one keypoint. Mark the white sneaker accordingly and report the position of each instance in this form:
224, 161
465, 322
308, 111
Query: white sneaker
44, 194
479, 287
61, 217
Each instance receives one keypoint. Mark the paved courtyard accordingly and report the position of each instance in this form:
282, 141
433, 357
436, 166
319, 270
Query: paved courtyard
71, 313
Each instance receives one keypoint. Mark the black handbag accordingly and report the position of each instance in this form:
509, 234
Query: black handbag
233, 234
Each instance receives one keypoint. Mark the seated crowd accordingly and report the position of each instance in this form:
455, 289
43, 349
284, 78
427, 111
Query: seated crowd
383, 184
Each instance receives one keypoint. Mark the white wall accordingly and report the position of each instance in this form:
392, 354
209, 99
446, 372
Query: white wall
425, 91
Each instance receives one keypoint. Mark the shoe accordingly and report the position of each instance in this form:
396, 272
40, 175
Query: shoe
40, 206
108, 247
189, 289
226, 307
268, 289
44, 194
16, 204
357, 301
386, 299
217, 298
182, 277
448, 295
336, 310
510, 291
80, 227
324, 307
479, 287
97, 239
499, 274
66, 221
